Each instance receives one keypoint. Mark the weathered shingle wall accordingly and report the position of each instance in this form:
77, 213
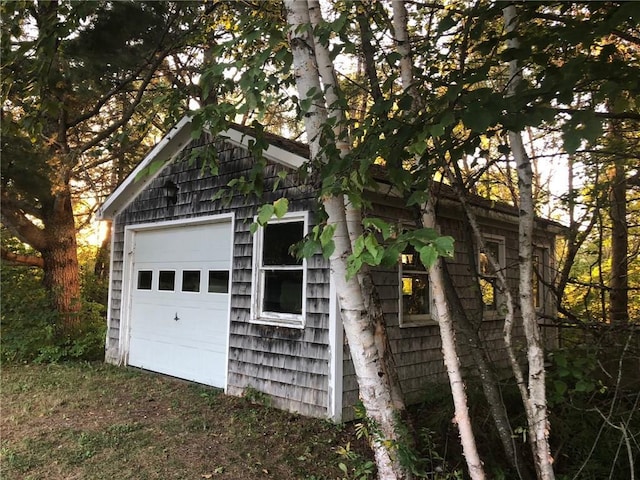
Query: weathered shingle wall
289, 364
417, 349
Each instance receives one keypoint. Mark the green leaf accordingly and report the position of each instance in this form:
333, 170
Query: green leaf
418, 148
380, 225
572, 140
326, 236
392, 254
444, 246
358, 246
326, 241
428, 255
478, 117
560, 386
265, 213
353, 266
280, 207
309, 248
424, 235
405, 102
253, 228
417, 198
372, 245
584, 386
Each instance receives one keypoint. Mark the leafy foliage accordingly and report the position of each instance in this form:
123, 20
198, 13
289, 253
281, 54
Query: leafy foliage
594, 396
31, 329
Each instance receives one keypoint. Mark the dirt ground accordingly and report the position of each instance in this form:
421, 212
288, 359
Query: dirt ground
92, 421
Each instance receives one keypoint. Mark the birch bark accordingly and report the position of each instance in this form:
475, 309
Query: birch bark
537, 409
374, 386
440, 308
353, 215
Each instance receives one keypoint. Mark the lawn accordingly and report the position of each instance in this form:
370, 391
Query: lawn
94, 421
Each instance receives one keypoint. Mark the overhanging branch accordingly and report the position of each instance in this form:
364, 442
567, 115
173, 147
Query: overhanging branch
16, 258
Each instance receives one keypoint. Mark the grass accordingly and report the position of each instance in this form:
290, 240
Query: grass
95, 421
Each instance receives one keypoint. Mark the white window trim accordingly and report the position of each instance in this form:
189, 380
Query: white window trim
412, 320
500, 298
545, 266
258, 316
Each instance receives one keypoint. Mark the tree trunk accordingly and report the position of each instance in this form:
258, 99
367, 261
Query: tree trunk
60, 257
536, 407
439, 306
619, 296
442, 313
375, 390
488, 379
353, 215
101, 267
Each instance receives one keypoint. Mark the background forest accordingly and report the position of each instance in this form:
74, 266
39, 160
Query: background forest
89, 87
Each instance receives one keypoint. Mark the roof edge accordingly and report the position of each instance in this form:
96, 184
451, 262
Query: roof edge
171, 145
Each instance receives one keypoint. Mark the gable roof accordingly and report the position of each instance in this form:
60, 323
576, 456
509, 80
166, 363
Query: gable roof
285, 152
281, 150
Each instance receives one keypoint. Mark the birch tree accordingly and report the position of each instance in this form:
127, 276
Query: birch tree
536, 400
374, 385
441, 310
441, 100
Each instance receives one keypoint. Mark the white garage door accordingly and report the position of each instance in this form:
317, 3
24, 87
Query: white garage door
180, 301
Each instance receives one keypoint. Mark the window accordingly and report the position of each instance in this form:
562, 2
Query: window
218, 281
191, 280
540, 262
279, 277
491, 297
167, 280
145, 278
414, 290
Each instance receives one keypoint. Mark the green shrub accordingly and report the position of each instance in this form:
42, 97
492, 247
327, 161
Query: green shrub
594, 419
29, 324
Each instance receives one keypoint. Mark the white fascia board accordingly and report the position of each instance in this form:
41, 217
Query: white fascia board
273, 153
166, 149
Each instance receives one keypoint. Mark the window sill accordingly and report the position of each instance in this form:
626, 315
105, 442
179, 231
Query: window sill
492, 316
278, 322
419, 322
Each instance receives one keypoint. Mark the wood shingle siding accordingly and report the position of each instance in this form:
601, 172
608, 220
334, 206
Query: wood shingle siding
291, 365
295, 365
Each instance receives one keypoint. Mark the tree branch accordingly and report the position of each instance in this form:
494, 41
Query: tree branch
607, 115
16, 258
626, 36
16, 221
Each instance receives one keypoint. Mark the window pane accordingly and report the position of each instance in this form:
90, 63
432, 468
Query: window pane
166, 280
283, 292
191, 280
145, 278
415, 294
278, 238
218, 281
411, 259
492, 248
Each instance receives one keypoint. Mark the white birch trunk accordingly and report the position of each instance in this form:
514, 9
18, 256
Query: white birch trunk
442, 313
374, 387
440, 308
354, 215
537, 409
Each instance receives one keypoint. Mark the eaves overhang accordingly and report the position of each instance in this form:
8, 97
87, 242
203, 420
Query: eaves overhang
170, 147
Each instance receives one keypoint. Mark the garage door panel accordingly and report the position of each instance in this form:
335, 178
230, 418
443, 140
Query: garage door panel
158, 321
194, 365
198, 243
194, 347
